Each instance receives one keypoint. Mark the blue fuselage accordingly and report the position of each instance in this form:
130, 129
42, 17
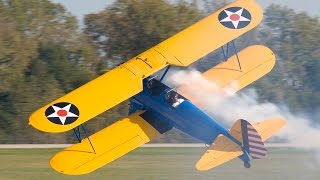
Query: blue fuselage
173, 109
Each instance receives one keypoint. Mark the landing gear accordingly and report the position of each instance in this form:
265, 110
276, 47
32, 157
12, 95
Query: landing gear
247, 165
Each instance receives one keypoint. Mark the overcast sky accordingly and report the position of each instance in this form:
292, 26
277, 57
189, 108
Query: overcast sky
81, 7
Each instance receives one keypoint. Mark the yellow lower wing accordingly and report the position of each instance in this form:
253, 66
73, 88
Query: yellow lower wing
256, 61
223, 149
109, 144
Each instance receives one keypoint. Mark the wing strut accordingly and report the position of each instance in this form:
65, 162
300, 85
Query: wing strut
165, 72
236, 52
78, 135
226, 53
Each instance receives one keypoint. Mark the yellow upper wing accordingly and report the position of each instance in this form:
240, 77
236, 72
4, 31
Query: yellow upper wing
96, 96
212, 32
223, 149
125, 81
109, 144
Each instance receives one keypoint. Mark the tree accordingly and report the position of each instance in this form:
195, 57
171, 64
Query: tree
15, 53
127, 28
293, 37
42, 56
46, 78
40, 19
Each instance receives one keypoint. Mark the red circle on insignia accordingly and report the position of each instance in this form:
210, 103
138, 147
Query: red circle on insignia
235, 17
62, 113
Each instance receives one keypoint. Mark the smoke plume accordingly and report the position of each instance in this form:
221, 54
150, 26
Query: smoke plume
226, 107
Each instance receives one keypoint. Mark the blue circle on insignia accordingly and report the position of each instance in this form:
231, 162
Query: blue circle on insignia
235, 17
62, 113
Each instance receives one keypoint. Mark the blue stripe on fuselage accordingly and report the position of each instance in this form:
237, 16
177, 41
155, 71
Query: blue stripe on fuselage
185, 117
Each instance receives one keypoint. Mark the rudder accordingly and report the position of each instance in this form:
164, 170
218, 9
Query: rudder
252, 141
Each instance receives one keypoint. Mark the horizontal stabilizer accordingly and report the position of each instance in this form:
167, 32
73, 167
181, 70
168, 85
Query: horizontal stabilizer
265, 128
268, 127
223, 149
109, 144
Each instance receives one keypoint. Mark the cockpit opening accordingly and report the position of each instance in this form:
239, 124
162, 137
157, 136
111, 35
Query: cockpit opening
174, 98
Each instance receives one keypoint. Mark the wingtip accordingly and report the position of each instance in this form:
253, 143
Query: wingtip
200, 167
33, 120
280, 121
57, 163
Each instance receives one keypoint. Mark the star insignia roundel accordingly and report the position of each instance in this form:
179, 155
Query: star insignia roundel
235, 17
62, 113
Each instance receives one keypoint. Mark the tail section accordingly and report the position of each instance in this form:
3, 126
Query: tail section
244, 141
252, 141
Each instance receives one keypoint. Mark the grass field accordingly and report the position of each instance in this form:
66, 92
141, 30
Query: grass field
165, 163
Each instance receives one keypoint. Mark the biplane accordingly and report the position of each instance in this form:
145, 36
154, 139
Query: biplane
156, 108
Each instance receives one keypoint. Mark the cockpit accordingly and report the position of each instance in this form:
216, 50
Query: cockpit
174, 98
156, 88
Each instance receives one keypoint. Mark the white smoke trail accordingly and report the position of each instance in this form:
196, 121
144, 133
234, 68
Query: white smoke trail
298, 130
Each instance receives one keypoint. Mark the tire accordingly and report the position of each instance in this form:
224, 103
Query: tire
247, 165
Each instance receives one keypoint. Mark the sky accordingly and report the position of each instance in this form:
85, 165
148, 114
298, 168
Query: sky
81, 7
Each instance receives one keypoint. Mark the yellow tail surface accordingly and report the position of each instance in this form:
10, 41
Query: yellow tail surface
224, 150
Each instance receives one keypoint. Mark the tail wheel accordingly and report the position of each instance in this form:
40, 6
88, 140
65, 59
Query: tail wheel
247, 165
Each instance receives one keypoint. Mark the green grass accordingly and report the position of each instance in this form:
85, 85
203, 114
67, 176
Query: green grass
165, 163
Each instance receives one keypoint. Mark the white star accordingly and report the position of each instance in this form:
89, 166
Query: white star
234, 17
62, 113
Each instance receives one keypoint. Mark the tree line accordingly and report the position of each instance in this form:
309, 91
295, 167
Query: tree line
45, 54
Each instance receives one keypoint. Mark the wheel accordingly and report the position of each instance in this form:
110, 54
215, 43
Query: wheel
247, 165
